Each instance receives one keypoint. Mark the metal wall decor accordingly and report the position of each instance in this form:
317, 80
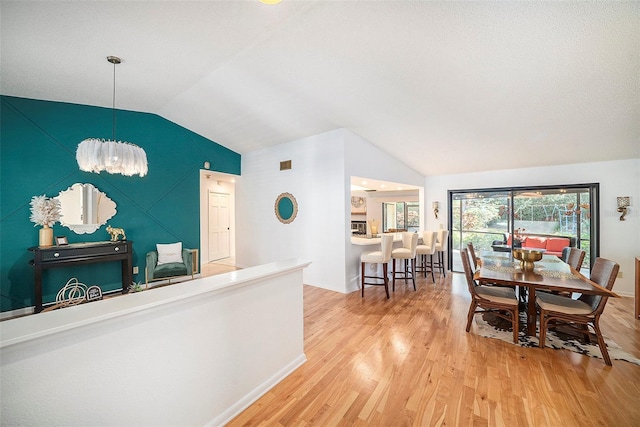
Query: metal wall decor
358, 202
286, 208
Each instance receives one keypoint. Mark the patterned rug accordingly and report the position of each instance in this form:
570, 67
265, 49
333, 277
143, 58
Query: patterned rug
490, 326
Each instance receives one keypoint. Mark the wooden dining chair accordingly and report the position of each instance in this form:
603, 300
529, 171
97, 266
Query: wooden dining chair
501, 301
575, 258
472, 254
583, 312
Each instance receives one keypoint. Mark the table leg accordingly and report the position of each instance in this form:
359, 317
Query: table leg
38, 289
127, 274
531, 312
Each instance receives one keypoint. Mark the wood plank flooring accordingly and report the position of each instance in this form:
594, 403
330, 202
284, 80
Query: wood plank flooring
408, 361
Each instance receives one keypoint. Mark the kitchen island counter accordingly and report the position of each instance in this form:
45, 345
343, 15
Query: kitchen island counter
370, 241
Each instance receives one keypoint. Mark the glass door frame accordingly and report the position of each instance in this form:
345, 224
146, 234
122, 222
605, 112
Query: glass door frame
594, 201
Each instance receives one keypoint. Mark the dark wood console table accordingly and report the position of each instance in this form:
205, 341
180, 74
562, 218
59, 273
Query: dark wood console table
81, 253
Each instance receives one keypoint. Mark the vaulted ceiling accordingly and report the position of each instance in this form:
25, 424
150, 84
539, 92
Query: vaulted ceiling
446, 87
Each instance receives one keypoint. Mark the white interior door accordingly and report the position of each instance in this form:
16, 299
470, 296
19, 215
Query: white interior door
218, 226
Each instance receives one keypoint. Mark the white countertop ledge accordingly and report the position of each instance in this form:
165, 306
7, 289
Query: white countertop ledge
39, 325
366, 241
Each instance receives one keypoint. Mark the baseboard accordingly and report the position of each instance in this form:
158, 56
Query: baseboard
256, 393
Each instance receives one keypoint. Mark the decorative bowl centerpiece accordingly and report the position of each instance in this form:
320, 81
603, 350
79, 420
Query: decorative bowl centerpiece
527, 257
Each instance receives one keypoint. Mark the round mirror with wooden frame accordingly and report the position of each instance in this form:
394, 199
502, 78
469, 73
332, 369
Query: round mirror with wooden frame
286, 208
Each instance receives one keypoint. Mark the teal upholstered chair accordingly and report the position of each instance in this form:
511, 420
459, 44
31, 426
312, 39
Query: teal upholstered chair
167, 271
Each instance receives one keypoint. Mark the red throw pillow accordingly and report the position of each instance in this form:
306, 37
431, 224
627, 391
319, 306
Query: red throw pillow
556, 244
536, 242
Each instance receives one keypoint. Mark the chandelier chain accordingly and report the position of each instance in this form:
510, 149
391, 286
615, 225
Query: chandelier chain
113, 127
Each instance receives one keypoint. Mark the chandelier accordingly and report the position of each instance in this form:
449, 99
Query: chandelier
116, 157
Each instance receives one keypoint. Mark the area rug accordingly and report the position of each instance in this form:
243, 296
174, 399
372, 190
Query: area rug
490, 326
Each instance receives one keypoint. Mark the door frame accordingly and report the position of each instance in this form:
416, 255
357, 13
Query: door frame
216, 182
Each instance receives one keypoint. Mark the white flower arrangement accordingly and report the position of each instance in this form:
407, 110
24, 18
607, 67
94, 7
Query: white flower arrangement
45, 211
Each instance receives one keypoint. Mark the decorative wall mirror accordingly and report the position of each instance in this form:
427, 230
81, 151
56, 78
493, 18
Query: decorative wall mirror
84, 208
286, 208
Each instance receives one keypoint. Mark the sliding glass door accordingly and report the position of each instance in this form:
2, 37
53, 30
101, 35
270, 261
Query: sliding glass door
479, 217
489, 217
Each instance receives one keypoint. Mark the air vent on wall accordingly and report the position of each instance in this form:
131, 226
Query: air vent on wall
285, 165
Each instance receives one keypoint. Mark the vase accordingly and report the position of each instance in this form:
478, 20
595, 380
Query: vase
46, 236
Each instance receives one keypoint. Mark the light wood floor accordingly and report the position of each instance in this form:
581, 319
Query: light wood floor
213, 268
408, 361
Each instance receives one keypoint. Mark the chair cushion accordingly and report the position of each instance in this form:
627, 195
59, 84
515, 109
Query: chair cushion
425, 250
169, 270
558, 303
372, 257
497, 294
535, 242
402, 253
169, 253
557, 244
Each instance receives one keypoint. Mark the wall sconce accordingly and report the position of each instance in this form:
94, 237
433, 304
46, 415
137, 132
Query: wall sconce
623, 204
435, 209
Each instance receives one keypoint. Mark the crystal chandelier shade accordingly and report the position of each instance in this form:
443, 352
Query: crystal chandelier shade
115, 157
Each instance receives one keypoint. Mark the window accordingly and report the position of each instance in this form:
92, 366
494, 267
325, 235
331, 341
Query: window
489, 216
400, 216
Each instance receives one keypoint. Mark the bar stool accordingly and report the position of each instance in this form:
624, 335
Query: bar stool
441, 248
406, 252
428, 247
383, 257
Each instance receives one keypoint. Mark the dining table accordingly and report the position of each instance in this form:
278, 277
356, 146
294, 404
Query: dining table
549, 274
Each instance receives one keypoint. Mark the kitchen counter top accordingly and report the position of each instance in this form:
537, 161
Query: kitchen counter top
369, 241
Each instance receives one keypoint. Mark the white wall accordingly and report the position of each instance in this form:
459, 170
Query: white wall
619, 240
320, 180
316, 180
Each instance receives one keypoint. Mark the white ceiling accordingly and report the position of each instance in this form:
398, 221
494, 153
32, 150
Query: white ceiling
446, 87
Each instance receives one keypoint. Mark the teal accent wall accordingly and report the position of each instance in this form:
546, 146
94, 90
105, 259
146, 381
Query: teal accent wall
37, 156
